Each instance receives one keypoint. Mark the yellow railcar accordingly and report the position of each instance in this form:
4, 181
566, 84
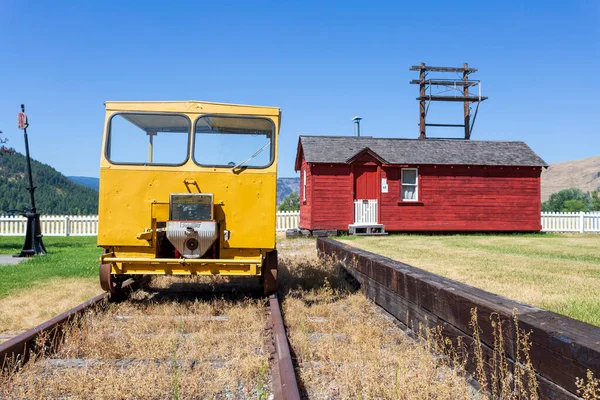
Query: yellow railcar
188, 188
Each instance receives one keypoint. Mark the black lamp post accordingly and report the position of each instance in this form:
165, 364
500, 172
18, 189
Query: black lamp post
33, 237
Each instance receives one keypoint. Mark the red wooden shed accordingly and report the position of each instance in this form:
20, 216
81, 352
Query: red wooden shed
365, 184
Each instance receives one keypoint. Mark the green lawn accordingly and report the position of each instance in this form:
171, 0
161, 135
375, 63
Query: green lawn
75, 257
558, 272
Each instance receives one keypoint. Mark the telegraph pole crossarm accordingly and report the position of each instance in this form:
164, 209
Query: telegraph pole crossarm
461, 92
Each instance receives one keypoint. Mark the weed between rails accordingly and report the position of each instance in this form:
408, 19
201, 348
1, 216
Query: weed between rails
589, 387
501, 378
261, 391
175, 366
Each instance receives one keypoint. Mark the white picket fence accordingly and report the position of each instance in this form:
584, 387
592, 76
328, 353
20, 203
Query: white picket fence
87, 225
52, 225
571, 222
287, 220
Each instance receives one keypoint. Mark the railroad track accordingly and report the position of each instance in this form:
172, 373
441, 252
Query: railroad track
60, 338
344, 346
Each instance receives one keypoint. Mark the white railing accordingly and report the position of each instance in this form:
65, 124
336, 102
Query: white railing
87, 225
52, 225
365, 212
571, 222
287, 220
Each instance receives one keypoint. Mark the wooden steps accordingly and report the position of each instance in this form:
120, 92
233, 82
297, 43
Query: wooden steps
366, 230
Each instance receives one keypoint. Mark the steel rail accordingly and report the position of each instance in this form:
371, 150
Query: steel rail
285, 385
18, 349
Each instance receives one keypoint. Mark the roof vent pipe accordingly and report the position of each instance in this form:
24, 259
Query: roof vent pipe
357, 125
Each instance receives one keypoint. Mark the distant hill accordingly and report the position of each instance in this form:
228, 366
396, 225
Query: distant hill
286, 186
581, 174
92, 183
55, 193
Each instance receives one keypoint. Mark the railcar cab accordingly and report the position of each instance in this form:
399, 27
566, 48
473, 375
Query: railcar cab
188, 188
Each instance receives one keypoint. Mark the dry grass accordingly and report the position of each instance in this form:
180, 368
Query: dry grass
44, 286
27, 308
557, 272
346, 348
152, 347
155, 346
589, 387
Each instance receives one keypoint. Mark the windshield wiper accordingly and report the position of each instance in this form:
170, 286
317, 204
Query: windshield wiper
251, 157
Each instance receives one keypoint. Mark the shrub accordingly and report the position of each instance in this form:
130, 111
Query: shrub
567, 200
291, 202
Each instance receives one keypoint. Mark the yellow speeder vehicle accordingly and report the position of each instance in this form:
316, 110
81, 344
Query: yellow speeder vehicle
188, 188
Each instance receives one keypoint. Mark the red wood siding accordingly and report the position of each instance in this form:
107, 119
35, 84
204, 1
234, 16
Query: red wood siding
332, 199
458, 198
305, 205
462, 198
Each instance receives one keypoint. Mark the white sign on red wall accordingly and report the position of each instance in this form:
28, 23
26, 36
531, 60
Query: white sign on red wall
384, 185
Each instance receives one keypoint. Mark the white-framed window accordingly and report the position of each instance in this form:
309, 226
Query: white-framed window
304, 186
410, 184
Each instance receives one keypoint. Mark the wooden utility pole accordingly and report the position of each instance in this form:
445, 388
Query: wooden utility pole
460, 86
422, 110
467, 106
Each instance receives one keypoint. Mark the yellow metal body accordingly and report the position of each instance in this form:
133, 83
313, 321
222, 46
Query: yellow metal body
134, 200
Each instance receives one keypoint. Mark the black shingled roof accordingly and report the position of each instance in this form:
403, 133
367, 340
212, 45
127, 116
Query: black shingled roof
340, 149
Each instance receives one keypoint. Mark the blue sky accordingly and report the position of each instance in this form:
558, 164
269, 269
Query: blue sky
321, 62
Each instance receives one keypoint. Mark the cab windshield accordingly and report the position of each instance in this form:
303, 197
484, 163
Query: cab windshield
148, 139
227, 141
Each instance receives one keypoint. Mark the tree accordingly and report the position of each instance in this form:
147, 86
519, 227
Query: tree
595, 203
557, 201
291, 202
573, 206
3, 148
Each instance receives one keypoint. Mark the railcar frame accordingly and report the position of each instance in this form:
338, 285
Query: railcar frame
135, 196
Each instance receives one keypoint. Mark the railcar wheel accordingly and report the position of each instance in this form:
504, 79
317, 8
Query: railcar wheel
108, 281
270, 273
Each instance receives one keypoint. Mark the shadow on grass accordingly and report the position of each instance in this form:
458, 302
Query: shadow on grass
234, 289
14, 244
302, 277
9, 248
297, 277
69, 242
